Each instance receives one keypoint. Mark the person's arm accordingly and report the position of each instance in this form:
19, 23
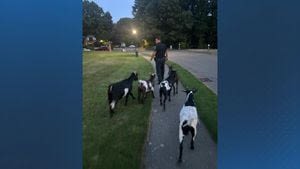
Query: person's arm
167, 54
152, 55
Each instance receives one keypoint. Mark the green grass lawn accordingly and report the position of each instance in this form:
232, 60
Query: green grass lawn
112, 143
205, 99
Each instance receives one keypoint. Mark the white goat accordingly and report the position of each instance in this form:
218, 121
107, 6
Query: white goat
188, 121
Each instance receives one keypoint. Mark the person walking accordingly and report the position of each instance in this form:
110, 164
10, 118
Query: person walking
160, 55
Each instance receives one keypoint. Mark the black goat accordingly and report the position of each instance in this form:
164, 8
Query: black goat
145, 87
173, 79
121, 89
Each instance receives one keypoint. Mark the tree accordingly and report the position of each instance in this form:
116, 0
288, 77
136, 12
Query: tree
122, 31
184, 21
96, 21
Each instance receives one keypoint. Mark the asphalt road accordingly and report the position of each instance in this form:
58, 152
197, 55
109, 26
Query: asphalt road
162, 147
200, 63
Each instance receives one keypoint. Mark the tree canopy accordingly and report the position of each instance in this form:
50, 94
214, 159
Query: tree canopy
122, 31
192, 23
95, 21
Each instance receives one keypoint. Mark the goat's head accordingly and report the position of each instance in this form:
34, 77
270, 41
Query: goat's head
190, 97
187, 91
152, 76
134, 75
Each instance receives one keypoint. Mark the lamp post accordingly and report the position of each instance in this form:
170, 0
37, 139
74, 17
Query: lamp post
209, 15
134, 32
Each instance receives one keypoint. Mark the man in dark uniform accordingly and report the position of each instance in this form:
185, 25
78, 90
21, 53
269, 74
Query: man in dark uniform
160, 56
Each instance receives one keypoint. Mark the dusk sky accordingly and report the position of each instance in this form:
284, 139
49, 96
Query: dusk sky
117, 8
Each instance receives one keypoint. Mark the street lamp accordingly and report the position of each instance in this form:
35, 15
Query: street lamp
134, 32
209, 15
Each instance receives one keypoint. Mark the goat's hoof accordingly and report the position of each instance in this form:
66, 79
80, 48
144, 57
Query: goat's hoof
192, 147
179, 160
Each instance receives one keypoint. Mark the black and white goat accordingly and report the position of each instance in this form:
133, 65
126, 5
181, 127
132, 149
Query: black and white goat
145, 87
166, 86
164, 90
188, 121
120, 89
173, 79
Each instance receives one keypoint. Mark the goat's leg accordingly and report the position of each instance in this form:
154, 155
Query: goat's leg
176, 87
181, 137
139, 96
112, 105
160, 97
152, 94
169, 94
193, 132
130, 93
143, 97
180, 151
165, 98
111, 112
174, 92
126, 99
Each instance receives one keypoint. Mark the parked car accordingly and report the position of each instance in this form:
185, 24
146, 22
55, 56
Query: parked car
131, 46
102, 48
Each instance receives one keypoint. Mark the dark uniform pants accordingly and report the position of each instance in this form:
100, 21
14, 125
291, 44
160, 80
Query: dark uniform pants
160, 68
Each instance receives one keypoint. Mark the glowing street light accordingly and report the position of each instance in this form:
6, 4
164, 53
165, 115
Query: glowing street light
134, 31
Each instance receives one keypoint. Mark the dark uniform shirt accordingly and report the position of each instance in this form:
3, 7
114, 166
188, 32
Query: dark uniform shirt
160, 51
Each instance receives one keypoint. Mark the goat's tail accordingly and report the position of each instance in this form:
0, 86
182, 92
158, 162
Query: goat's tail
184, 123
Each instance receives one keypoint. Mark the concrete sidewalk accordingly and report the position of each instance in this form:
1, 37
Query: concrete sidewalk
162, 146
